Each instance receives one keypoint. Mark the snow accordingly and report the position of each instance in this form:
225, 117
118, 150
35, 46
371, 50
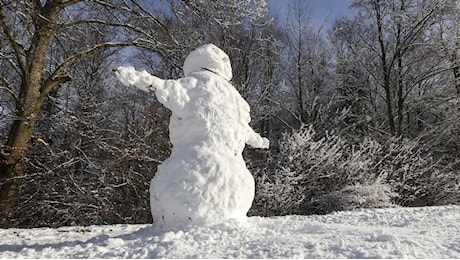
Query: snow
205, 179
211, 58
201, 194
428, 232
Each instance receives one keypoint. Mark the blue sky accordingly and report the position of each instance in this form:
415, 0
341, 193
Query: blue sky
322, 10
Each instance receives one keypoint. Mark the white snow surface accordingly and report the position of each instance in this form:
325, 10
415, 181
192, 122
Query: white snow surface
205, 179
429, 232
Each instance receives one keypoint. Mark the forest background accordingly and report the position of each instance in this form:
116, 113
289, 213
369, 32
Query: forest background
362, 113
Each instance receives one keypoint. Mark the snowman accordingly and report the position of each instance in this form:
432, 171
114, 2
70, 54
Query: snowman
205, 179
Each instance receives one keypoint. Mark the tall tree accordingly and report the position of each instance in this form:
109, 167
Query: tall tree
307, 60
390, 40
32, 28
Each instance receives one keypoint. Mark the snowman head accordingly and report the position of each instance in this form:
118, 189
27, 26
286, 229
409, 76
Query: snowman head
209, 57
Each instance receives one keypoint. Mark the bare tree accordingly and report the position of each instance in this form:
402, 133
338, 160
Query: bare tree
307, 60
32, 29
398, 58
449, 39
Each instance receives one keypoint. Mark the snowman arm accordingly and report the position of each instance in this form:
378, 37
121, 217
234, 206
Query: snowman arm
255, 140
252, 138
129, 76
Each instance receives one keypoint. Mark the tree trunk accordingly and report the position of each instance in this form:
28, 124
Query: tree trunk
457, 80
399, 81
385, 68
456, 58
28, 107
13, 154
457, 66
12, 168
388, 98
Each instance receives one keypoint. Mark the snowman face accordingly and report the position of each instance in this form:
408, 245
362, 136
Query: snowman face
209, 57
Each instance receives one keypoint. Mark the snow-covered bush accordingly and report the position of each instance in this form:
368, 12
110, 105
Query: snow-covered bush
320, 175
442, 140
312, 173
418, 177
350, 197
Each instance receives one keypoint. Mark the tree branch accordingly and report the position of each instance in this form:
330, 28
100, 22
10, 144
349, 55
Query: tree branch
68, 3
58, 76
9, 89
17, 48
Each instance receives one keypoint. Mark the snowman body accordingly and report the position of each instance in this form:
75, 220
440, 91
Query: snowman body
205, 179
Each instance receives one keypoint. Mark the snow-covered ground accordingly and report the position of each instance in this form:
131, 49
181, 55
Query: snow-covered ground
429, 232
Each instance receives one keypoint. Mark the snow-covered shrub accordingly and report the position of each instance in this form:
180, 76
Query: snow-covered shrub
320, 175
442, 140
311, 174
350, 197
415, 174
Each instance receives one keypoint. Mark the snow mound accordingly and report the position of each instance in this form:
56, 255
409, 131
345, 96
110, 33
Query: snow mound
430, 232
